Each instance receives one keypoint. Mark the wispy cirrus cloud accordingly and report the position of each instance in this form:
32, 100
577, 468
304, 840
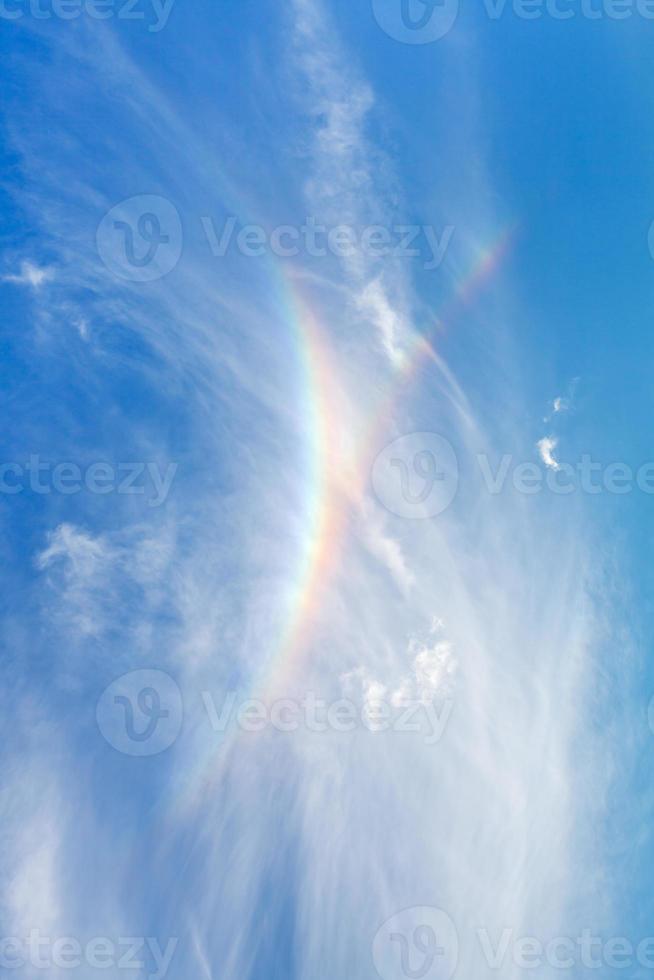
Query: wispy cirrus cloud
487, 823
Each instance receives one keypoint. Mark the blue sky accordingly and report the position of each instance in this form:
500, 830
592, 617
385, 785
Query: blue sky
244, 468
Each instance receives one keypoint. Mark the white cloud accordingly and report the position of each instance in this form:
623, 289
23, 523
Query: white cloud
489, 823
80, 570
434, 667
31, 275
425, 674
546, 447
82, 552
87, 574
352, 181
386, 549
563, 403
82, 327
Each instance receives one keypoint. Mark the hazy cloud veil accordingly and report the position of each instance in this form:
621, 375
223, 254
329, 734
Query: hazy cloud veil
275, 567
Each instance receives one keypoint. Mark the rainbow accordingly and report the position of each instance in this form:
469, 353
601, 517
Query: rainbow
328, 503
327, 512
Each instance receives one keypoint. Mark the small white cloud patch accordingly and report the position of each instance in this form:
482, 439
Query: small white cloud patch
563, 403
546, 447
430, 678
31, 275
